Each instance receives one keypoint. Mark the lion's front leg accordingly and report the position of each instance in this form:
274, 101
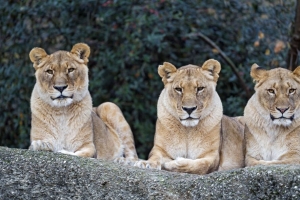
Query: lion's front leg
154, 161
278, 162
157, 157
194, 166
146, 164
125, 160
40, 145
251, 161
87, 151
291, 157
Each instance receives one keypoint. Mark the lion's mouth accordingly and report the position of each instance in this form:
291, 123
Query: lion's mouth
282, 117
61, 97
190, 118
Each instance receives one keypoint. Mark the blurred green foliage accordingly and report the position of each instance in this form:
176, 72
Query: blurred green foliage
129, 39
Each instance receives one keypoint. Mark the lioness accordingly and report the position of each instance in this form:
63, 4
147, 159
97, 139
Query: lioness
272, 118
188, 129
63, 119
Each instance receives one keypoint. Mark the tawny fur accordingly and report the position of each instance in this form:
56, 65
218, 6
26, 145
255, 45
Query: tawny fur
272, 118
232, 154
188, 128
63, 119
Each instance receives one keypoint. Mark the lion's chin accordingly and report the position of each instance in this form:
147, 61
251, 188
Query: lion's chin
62, 102
189, 122
282, 122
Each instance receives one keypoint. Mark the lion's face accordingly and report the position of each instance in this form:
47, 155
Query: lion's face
62, 77
278, 93
190, 89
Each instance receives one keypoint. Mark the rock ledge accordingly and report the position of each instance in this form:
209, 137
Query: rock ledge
26, 174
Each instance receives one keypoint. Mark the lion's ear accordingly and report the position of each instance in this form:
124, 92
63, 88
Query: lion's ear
165, 71
213, 67
36, 55
257, 73
82, 51
297, 71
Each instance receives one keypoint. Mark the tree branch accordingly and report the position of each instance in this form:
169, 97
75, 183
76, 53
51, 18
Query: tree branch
227, 60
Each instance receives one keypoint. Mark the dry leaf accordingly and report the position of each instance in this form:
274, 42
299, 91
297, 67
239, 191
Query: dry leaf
215, 51
267, 52
264, 16
211, 11
261, 35
279, 46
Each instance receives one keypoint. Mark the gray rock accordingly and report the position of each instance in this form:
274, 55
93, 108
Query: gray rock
26, 174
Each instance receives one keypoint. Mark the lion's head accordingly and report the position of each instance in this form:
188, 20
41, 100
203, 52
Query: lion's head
190, 89
62, 77
277, 93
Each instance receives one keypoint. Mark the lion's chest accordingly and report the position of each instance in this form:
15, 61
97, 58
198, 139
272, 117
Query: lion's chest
270, 148
272, 152
190, 146
65, 131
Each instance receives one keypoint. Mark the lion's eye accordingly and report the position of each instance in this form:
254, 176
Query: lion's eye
70, 70
271, 91
178, 89
49, 71
200, 89
292, 91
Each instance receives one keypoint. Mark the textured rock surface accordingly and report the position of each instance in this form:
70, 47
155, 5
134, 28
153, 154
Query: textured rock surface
44, 175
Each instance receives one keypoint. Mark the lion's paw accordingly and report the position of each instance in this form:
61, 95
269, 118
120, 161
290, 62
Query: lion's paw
148, 164
39, 145
175, 165
67, 152
125, 161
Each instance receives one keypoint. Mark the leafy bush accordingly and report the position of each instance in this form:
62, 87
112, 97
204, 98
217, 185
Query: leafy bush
129, 39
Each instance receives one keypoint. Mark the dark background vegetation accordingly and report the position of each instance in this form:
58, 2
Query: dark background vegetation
128, 40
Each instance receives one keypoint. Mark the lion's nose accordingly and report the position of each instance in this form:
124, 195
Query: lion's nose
189, 110
60, 88
282, 110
